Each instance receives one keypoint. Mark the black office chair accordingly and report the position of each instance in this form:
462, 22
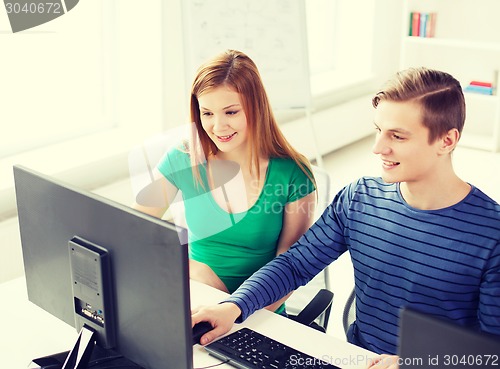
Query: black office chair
349, 314
320, 305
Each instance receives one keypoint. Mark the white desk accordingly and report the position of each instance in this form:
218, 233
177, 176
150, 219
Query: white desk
27, 331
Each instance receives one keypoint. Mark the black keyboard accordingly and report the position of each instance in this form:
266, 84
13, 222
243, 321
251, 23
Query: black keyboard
248, 349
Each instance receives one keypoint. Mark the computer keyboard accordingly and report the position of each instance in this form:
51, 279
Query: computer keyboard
248, 349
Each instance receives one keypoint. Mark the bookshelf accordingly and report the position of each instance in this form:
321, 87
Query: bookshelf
465, 43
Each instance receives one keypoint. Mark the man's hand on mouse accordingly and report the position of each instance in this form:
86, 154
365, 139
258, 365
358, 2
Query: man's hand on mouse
221, 317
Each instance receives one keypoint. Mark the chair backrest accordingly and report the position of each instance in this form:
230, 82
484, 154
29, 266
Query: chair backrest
323, 187
349, 314
303, 295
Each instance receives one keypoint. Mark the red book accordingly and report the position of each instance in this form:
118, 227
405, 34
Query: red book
480, 83
415, 27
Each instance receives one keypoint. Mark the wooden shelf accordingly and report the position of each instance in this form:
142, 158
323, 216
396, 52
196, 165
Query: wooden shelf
455, 43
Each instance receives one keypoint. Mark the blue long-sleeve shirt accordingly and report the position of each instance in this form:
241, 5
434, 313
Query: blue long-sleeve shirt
444, 262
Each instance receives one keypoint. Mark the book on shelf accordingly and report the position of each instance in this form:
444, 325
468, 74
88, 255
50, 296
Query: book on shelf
422, 24
415, 24
481, 83
479, 89
431, 24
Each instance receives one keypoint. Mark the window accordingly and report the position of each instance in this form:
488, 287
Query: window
55, 81
81, 89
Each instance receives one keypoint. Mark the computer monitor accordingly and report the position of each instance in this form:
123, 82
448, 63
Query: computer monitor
426, 341
140, 266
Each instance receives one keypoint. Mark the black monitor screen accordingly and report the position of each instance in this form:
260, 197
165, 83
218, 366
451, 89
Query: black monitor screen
144, 269
426, 341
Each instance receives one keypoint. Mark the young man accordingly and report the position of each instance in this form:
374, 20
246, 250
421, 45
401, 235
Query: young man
419, 236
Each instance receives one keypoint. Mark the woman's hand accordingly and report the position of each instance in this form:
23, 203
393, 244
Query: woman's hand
384, 361
221, 317
203, 273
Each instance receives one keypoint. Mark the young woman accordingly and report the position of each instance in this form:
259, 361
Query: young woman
248, 195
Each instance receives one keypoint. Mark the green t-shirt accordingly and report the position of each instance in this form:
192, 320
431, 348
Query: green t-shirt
235, 245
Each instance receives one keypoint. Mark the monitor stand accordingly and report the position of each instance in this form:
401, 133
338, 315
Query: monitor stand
84, 351
79, 355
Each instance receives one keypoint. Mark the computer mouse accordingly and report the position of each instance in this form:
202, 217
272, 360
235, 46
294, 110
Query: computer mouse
199, 330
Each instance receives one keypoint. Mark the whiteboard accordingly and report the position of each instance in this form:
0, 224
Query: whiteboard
272, 33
